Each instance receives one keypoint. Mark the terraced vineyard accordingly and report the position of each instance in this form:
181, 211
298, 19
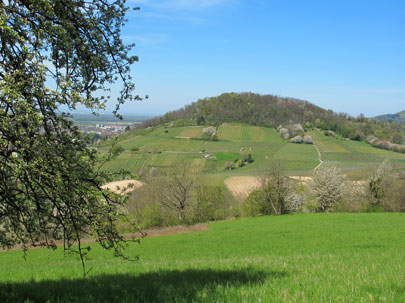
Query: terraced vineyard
355, 158
166, 146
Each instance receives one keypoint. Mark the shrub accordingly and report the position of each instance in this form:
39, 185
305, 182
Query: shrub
179, 196
116, 149
374, 141
255, 204
210, 130
355, 136
327, 187
152, 216
295, 130
247, 157
331, 133
379, 182
239, 163
296, 139
386, 189
294, 202
397, 138
284, 133
308, 140
276, 187
272, 197
210, 204
229, 165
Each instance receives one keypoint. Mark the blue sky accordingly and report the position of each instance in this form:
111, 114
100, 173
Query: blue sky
348, 56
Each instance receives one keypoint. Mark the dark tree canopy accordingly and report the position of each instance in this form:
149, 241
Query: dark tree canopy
55, 53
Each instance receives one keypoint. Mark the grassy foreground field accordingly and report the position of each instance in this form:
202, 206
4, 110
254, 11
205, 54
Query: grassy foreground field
293, 258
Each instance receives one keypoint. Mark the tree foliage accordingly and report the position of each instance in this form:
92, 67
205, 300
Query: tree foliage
385, 189
273, 195
328, 187
55, 53
179, 195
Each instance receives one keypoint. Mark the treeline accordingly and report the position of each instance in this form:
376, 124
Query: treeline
182, 195
329, 190
272, 111
254, 109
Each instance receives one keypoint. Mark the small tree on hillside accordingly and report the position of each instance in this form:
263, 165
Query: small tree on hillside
397, 138
229, 165
379, 184
116, 149
177, 188
247, 157
276, 187
272, 198
328, 187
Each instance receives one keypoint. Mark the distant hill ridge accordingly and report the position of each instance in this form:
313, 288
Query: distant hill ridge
397, 118
84, 117
261, 110
273, 111
254, 109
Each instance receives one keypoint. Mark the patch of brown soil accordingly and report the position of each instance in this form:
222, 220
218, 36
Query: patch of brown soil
242, 186
303, 179
174, 230
120, 187
157, 232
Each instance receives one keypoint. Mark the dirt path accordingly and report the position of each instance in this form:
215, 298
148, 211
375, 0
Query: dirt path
157, 232
319, 157
118, 186
303, 179
179, 152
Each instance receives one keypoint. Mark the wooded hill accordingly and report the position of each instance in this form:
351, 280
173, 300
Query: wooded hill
272, 111
396, 118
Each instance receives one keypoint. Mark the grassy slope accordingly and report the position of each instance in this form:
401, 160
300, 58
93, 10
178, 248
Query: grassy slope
356, 158
298, 258
162, 147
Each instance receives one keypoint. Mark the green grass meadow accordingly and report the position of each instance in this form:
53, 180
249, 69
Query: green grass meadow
291, 258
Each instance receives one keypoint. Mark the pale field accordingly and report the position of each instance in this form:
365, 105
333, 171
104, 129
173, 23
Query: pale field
242, 186
123, 187
191, 132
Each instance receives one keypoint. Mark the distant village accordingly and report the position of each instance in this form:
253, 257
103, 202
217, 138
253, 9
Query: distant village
103, 131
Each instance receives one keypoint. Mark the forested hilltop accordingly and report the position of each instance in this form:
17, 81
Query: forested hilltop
273, 111
397, 118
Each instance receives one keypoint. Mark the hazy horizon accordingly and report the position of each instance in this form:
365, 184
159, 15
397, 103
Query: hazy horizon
126, 110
